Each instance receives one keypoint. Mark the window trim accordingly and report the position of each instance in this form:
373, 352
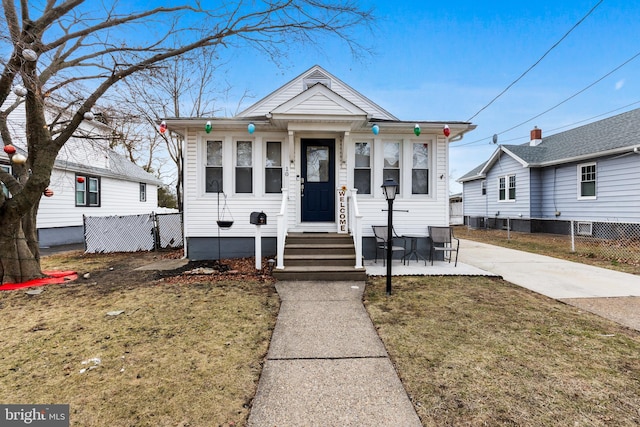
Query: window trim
143, 191
368, 168
280, 166
208, 166
428, 168
580, 181
507, 188
87, 181
236, 167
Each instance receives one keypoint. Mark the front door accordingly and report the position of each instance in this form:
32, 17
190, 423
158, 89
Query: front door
318, 180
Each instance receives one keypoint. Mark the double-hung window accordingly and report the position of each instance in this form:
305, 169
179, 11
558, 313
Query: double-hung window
420, 171
587, 180
143, 192
213, 174
391, 168
483, 188
3, 187
362, 170
507, 188
87, 191
273, 168
244, 167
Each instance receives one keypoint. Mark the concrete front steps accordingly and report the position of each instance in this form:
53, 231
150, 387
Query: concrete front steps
319, 256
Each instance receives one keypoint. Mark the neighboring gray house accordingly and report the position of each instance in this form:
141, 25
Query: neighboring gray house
590, 173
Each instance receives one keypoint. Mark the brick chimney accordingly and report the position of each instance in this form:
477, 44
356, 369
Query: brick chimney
536, 137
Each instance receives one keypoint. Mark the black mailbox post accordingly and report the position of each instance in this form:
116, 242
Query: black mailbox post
258, 218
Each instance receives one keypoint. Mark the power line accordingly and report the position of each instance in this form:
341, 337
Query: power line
558, 128
537, 62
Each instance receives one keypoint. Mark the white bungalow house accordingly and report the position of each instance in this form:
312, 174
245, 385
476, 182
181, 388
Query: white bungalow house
88, 179
312, 156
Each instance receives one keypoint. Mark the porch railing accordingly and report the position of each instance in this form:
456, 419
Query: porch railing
283, 220
355, 225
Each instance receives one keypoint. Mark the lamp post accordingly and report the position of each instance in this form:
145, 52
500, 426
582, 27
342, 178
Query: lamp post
389, 188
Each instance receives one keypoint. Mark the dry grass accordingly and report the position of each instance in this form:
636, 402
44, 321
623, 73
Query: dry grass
185, 352
481, 351
554, 245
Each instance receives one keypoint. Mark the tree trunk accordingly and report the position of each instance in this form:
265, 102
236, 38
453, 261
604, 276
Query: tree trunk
17, 262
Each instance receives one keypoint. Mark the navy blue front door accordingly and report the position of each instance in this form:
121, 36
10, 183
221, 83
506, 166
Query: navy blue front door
318, 172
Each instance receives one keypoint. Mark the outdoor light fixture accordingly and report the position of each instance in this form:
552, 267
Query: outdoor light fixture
416, 129
207, 127
375, 129
390, 189
251, 128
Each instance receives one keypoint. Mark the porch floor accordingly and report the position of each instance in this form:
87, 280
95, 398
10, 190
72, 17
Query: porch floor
417, 268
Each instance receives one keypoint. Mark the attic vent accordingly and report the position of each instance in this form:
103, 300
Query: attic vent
584, 228
316, 77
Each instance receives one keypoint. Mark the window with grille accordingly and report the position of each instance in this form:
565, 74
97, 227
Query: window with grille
507, 188
587, 179
143, 192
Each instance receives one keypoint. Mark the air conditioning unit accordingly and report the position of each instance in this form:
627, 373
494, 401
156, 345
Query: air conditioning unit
584, 228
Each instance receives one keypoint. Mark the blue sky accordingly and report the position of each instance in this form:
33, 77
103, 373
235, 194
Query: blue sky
444, 61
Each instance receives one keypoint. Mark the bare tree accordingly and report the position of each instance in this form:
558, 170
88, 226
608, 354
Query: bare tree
70, 54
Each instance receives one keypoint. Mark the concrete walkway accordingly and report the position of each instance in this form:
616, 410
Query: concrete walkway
549, 276
326, 365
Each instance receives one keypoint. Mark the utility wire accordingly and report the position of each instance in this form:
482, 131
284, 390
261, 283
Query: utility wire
562, 102
558, 128
537, 62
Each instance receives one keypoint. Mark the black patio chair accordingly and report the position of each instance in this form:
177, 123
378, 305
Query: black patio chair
443, 240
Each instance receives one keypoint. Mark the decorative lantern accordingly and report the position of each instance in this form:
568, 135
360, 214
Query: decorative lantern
251, 128
80, 179
375, 129
48, 192
163, 126
207, 127
9, 149
446, 131
29, 54
19, 159
416, 129
20, 91
88, 116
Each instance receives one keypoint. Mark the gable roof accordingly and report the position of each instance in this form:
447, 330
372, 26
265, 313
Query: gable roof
308, 80
610, 136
